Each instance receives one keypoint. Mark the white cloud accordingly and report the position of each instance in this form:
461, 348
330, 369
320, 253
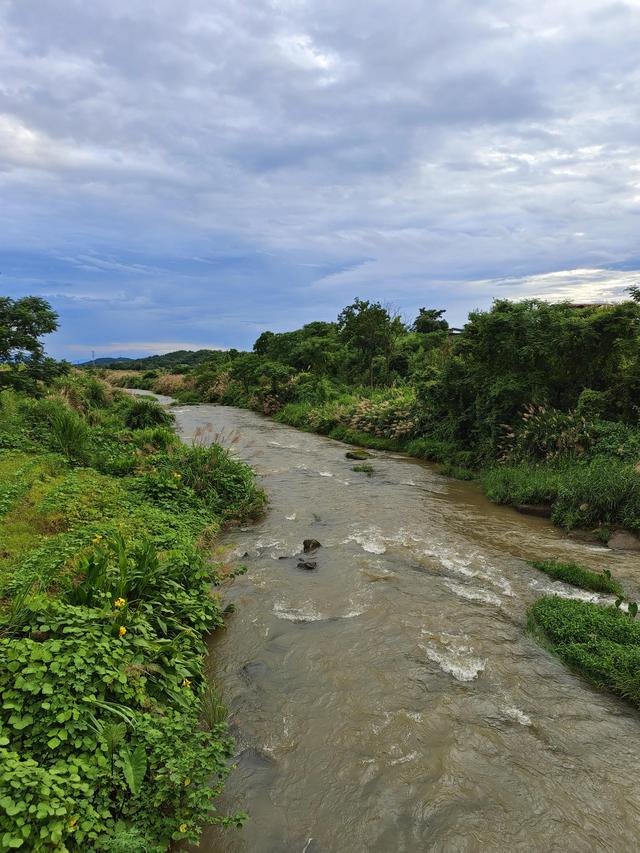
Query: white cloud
405, 149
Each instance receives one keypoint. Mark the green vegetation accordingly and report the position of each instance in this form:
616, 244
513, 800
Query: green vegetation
601, 643
22, 360
538, 399
578, 576
110, 738
364, 468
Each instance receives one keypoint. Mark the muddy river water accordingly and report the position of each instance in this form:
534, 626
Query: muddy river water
391, 700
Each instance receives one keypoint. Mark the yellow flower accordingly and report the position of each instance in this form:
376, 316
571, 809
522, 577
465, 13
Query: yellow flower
72, 822
119, 603
175, 474
187, 781
122, 630
97, 538
186, 682
183, 827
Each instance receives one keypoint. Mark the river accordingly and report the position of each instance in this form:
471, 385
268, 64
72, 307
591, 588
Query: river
390, 699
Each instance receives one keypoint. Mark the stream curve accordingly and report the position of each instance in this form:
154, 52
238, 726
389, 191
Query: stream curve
390, 699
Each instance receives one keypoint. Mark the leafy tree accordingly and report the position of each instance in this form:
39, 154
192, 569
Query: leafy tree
246, 369
430, 320
22, 324
533, 352
370, 329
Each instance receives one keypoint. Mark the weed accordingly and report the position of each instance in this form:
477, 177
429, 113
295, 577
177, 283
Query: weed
365, 468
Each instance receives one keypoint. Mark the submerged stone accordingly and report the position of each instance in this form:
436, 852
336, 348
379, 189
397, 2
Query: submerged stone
357, 454
310, 545
539, 510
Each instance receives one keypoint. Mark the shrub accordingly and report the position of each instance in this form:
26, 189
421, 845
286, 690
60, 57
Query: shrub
171, 383
603, 492
141, 414
545, 434
516, 484
69, 432
578, 576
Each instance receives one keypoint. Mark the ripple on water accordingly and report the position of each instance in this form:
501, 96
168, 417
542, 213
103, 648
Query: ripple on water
309, 613
517, 716
474, 593
306, 613
454, 656
564, 591
370, 539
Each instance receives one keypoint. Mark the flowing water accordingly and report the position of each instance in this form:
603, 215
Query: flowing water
391, 700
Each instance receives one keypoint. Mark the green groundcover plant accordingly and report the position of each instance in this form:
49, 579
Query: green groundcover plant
110, 738
540, 399
577, 575
601, 643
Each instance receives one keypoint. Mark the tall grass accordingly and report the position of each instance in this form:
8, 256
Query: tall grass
69, 431
141, 414
600, 493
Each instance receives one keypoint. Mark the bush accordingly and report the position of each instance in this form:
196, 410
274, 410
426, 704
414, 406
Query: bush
520, 484
578, 576
69, 432
601, 643
603, 492
105, 597
544, 434
141, 414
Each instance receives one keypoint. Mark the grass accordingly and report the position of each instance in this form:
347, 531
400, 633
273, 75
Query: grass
457, 472
365, 468
576, 575
521, 484
105, 593
601, 643
603, 492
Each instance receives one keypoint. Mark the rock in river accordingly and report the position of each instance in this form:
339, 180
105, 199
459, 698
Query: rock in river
310, 545
307, 564
623, 540
357, 454
541, 510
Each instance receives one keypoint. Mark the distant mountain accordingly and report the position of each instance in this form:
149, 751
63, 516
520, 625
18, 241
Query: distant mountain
105, 362
169, 361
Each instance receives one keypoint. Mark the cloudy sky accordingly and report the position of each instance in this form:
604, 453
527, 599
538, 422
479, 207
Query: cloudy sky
186, 174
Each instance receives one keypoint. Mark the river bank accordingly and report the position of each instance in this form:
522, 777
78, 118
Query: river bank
596, 497
111, 738
391, 698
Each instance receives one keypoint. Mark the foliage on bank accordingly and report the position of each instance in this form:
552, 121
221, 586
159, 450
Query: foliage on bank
541, 398
576, 575
601, 643
108, 737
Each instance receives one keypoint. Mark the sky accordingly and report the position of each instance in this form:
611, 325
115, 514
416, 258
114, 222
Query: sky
187, 175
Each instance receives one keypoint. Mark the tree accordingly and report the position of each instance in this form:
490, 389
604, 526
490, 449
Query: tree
369, 328
22, 323
430, 320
